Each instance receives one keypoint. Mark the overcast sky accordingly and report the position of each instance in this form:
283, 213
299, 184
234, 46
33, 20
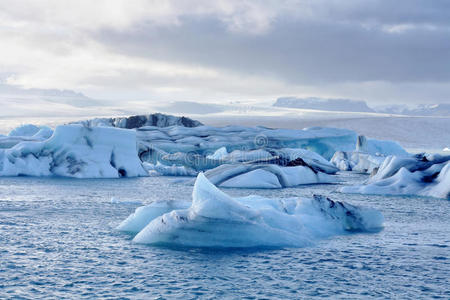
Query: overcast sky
385, 52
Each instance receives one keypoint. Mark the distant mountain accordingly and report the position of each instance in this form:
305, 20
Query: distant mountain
158, 120
323, 104
420, 110
68, 97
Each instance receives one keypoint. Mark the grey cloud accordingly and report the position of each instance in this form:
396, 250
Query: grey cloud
329, 48
298, 51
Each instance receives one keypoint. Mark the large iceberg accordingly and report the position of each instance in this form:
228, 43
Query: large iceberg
76, 151
214, 219
196, 145
426, 175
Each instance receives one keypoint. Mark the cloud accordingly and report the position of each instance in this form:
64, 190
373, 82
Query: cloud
212, 50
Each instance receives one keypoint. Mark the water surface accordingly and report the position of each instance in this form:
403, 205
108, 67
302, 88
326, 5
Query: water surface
58, 240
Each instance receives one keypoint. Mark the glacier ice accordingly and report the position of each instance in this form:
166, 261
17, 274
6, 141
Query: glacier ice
76, 151
426, 175
214, 219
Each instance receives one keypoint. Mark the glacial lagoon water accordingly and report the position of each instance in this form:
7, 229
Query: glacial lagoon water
57, 240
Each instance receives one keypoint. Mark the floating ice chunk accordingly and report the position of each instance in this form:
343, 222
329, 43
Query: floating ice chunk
265, 176
218, 154
215, 219
76, 151
369, 155
163, 170
402, 182
425, 175
312, 159
419, 162
256, 179
357, 161
446, 149
115, 200
442, 187
145, 214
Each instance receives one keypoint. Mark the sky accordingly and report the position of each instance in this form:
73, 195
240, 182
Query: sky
384, 52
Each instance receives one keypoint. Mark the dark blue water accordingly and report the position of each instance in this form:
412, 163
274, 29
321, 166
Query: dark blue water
57, 240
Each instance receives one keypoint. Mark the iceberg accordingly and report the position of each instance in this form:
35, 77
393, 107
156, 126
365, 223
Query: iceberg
379, 147
368, 156
219, 154
157, 119
143, 215
357, 161
25, 133
159, 169
24, 130
203, 141
76, 151
426, 175
214, 219
271, 168
265, 176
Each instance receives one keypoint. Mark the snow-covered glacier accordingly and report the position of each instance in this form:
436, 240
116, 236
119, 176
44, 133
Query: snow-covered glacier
214, 219
426, 175
76, 151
